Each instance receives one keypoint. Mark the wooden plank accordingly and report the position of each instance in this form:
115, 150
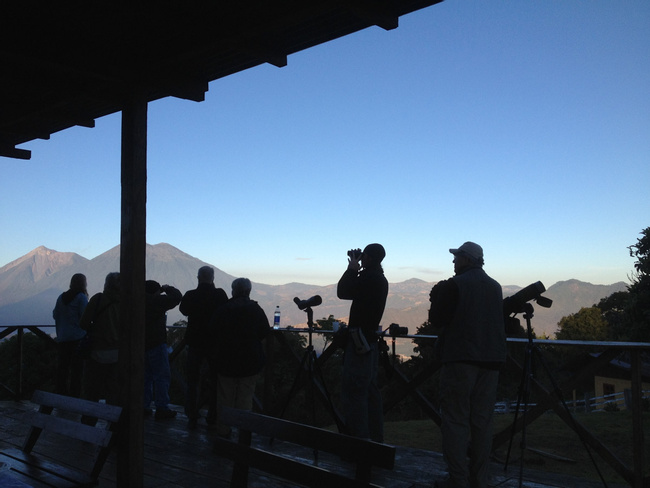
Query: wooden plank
360, 450
47, 472
69, 428
283, 467
80, 406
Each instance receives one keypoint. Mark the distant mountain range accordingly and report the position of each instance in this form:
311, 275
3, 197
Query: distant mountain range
30, 285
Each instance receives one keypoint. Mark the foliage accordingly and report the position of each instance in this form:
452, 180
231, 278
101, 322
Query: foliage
39, 365
588, 324
613, 309
425, 347
638, 307
625, 314
327, 324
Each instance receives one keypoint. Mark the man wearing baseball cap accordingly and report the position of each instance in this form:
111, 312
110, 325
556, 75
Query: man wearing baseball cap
468, 308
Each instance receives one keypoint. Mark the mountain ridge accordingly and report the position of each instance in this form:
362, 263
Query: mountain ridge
30, 285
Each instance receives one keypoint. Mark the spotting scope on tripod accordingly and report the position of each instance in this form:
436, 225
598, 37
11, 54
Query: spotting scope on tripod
520, 303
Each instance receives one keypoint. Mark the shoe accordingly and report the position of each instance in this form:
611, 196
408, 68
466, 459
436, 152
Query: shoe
165, 414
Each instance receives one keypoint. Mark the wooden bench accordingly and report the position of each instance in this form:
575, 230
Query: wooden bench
365, 454
93, 436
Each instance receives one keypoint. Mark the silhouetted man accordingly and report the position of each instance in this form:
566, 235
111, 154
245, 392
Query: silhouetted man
365, 284
199, 305
157, 374
472, 347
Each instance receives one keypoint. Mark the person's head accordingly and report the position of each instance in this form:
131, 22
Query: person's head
241, 287
469, 255
372, 255
151, 287
112, 282
78, 283
206, 274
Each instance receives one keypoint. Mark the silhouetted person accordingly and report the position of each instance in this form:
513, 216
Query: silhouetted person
157, 374
67, 313
365, 284
240, 326
472, 348
199, 305
101, 321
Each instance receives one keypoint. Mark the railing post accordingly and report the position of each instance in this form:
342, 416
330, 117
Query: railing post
637, 420
19, 371
267, 404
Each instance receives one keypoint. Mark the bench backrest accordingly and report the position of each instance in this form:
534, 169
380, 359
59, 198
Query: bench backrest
103, 419
359, 450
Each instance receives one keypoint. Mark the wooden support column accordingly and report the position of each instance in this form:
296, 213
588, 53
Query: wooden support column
637, 418
130, 456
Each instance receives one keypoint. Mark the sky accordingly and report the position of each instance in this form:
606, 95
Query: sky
521, 126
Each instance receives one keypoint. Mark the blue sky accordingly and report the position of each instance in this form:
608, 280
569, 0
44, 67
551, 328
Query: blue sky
522, 126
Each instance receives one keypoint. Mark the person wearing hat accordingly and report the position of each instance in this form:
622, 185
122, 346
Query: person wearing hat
468, 309
157, 374
365, 284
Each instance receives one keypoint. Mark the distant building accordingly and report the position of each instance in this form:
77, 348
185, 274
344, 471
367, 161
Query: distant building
615, 380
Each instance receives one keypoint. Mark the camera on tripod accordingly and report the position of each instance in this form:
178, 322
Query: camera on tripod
394, 330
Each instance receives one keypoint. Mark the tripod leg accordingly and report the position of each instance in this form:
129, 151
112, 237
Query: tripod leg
325, 392
522, 397
560, 396
294, 386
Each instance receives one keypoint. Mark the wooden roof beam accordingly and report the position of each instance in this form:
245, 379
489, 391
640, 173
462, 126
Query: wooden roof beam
377, 13
9, 151
193, 90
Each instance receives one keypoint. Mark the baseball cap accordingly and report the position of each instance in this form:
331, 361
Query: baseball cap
471, 249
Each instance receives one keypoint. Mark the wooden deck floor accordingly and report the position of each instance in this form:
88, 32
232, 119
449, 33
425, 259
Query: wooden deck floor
178, 457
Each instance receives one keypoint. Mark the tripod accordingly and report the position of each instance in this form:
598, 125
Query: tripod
524, 395
309, 365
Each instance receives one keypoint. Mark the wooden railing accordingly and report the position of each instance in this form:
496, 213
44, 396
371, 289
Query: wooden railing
19, 330
546, 398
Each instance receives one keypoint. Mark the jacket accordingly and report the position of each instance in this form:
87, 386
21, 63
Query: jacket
368, 291
199, 305
67, 317
469, 309
239, 327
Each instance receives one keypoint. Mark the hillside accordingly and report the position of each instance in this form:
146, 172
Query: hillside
30, 285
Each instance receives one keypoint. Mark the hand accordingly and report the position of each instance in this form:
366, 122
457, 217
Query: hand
354, 264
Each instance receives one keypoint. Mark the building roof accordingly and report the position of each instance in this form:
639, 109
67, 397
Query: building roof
69, 63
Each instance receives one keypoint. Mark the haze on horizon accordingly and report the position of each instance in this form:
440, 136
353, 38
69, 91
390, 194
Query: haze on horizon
520, 126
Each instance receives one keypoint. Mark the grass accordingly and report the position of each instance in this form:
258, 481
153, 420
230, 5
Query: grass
549, 434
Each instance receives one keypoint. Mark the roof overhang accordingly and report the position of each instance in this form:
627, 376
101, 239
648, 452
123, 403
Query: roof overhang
70, 63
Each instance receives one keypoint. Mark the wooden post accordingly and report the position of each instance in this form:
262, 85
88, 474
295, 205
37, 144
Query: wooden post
637, 419
19, 371
130, 457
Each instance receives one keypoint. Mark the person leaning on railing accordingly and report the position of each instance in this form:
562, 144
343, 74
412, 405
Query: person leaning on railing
67, 313
101, 321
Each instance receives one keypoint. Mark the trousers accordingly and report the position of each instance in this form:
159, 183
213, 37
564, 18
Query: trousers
467, 398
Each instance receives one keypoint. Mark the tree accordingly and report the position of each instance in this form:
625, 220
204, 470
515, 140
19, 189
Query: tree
586, 325
638, 306
614, 312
